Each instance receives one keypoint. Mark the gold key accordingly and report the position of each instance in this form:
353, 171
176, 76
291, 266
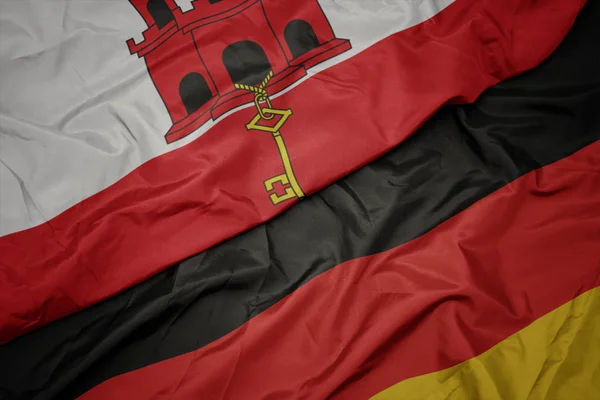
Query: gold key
287, 179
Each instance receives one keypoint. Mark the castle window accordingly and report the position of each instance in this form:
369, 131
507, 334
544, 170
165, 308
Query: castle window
246, 62
300, 37
194, 92
160, 12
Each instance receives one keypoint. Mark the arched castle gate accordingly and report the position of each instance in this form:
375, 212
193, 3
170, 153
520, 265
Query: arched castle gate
196, 57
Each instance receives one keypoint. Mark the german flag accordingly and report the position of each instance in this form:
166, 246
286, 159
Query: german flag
460, 261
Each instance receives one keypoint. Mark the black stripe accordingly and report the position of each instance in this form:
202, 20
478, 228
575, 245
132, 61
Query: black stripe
463, 154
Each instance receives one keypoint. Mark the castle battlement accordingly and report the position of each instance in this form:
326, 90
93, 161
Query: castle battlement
195, 57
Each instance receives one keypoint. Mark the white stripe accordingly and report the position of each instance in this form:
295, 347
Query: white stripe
78, 112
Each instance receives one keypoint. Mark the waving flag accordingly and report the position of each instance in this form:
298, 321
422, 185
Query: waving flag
96, 200
463, 263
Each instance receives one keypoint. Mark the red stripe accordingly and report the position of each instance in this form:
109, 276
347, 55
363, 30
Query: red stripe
424, 306
186, 201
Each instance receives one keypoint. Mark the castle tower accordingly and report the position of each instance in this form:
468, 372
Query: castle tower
304, 32
196, 57
175, 67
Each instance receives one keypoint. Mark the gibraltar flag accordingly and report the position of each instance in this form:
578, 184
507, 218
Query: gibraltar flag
137, 133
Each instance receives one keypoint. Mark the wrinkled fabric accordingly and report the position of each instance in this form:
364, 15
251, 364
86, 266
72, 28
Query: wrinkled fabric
79, 112
462, 155
423, 306
189, 199
556, 357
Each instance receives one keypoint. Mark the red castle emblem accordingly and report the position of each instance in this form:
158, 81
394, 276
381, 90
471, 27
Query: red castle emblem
196, 58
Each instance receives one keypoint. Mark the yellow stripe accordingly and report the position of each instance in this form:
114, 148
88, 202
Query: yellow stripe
556, 357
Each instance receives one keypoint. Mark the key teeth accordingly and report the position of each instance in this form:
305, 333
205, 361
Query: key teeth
289, 194
284, 180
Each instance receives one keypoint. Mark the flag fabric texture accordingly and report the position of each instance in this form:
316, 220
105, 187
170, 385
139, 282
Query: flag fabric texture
461, 261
